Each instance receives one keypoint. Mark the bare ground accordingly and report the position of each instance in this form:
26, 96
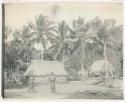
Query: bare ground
72, 90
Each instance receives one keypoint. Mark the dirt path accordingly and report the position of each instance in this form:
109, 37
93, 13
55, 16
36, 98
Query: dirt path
74, 90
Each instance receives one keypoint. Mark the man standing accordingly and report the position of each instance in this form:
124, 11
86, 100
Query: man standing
52, 80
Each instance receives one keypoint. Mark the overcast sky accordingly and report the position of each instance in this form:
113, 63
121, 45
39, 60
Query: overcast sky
17, 15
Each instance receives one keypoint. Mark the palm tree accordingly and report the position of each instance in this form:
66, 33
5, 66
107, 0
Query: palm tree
41, 29
24, 42
27, 41
62, 40
78, 33
103, 32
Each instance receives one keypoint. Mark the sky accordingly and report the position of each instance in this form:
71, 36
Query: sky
18, 15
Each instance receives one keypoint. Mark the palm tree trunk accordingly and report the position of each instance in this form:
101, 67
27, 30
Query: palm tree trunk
111, 72
43, 46
105, 57
82, 73
58, 51
41, 57
82, 59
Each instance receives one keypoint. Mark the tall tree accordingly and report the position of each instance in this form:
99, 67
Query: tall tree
78, 32
103, 32
41, 28
27, 41
23, 43
61, 42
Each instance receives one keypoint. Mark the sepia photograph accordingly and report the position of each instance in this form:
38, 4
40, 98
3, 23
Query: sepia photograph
62, 50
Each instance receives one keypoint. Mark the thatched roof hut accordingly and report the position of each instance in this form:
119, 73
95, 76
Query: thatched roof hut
100, 66
42, 68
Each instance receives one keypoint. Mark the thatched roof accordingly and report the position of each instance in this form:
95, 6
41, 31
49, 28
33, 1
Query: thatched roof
100, 66
40, 68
